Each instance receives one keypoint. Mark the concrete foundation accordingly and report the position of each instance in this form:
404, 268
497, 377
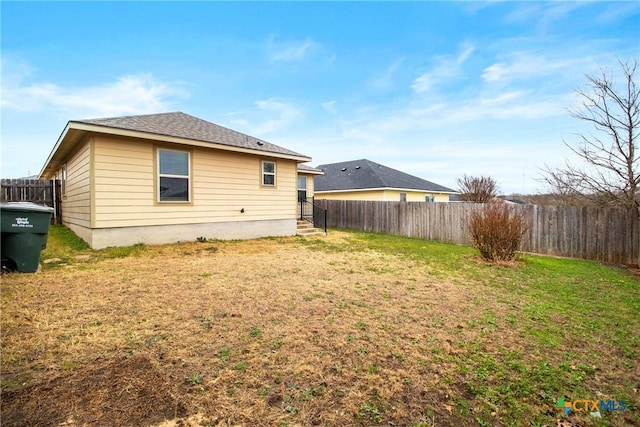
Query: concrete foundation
99, 238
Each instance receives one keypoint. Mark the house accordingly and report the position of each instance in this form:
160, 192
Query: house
367, 180
170, 177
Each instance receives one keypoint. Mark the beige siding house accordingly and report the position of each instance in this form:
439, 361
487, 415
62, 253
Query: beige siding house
367, 180
170, 177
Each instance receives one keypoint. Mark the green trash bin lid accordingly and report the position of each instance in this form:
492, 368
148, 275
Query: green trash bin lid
23, 217
25, 206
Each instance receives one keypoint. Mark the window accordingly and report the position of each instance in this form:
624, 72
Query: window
269, 174
63, 180
403, 197
173, 176
302, 188
429, 198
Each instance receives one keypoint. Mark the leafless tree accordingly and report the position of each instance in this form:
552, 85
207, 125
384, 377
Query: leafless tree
482, 189
610, 170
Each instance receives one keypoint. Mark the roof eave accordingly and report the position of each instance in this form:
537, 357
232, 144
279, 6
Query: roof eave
85, 127
310, 172
186, 141
350, 190
46, 172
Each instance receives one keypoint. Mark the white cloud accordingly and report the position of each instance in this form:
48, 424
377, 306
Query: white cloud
524, 65
544, 13
384, 80
466, 52
272, 115
619, 10
448, 68
330, 106
289, 51
133, 94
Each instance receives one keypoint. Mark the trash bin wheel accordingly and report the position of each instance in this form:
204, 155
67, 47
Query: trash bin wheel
8, 265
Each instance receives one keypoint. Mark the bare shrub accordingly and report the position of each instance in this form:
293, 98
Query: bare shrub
497, 231
477, 189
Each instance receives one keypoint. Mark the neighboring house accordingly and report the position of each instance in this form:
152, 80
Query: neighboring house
367, 180
170, 177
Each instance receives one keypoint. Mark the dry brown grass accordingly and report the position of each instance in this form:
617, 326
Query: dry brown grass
264, 332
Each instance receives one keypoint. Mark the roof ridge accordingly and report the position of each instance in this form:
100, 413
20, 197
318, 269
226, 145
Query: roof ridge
185, 126
365, 173
130, 116
376, 171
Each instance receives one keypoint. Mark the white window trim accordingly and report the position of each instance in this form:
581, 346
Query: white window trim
274, 173
159, 175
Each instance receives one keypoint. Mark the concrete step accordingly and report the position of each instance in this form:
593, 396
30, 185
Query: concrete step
305, 229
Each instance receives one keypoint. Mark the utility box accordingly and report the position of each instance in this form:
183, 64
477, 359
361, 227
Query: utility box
24, 228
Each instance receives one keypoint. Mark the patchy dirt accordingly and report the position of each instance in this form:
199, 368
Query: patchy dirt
123, 392
262, 333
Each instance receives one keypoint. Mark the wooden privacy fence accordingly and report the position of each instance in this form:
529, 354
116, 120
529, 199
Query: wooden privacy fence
33, 190
600, 234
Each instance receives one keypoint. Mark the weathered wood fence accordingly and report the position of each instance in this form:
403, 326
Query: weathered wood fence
600, 234
33, 190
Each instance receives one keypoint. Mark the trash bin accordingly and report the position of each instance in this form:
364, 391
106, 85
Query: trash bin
24, 228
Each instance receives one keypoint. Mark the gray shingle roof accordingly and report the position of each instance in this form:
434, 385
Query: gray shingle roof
364, 174
307, 168
181, 125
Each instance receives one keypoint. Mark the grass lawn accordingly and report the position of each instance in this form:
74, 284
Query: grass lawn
347, 329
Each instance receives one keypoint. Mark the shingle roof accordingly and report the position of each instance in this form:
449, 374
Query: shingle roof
364, 174
181, 125
307, 168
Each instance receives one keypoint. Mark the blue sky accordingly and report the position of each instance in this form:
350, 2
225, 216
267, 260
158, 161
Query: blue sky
436, 89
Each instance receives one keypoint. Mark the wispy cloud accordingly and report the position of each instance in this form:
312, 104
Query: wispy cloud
544, 13
133, 94
446, 69
385, 80
268, 116
524, 65
618, 10
289, 51
330, 106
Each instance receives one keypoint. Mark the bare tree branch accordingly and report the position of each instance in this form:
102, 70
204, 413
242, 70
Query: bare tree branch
611, 170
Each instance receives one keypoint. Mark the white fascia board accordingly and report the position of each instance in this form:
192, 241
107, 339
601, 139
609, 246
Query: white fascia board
54, 150
384, 189
184, 141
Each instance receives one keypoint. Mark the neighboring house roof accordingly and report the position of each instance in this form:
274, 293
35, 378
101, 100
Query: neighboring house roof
174, 127
309, 169
512, 201
365, 174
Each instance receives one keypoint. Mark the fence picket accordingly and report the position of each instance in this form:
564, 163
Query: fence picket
33, 190
600, 234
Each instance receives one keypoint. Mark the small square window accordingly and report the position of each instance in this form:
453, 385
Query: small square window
269, 174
